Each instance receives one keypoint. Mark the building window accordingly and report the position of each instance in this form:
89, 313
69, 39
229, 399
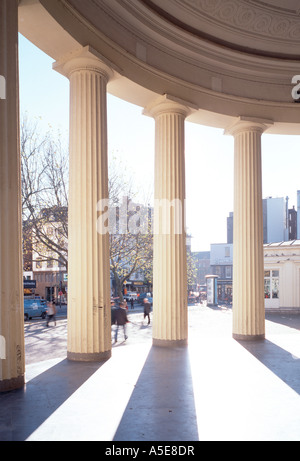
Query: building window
49, 277
217, 270
39, 277
272, 284
228, 272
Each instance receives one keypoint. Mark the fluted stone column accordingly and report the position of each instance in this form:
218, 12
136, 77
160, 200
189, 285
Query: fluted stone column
89, 318
169, 265
12, 361
248, 260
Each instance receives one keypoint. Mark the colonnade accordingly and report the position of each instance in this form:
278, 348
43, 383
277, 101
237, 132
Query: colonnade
89, 328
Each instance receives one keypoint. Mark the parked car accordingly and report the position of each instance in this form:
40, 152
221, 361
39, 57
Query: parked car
130, 295
192, 299
34, 308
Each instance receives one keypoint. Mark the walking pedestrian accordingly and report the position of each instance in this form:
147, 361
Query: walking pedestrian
147, 309
51, 310
131, 302
121, 320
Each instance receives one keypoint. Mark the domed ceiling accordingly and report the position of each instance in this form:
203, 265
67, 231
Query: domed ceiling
227, 58
264, 27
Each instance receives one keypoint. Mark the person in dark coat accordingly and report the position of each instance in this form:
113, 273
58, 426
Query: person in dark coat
147, 309
121, 320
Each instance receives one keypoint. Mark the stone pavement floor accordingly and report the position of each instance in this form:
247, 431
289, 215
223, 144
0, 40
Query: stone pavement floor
215, 389
43, 343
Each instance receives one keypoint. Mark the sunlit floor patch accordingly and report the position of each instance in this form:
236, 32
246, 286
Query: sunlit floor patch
244, 391
93, 412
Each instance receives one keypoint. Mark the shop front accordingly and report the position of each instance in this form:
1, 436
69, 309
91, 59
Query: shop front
282, 275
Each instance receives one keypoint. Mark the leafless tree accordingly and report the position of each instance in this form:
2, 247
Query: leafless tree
130, 251
44, 169
44, 175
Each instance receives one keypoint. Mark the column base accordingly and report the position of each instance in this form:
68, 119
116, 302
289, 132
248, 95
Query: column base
248, 337
86, 357
169, 343
12, 384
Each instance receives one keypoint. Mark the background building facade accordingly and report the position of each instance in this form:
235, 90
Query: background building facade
282, 275
280, 223
221, 261
275, 219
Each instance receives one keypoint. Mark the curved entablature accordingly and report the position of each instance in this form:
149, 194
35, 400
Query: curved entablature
152, 54
269, 28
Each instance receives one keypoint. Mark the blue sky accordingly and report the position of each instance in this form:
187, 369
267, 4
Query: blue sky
44, 95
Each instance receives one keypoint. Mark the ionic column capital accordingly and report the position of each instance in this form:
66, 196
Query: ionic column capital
246, 124
168, 104
85, 58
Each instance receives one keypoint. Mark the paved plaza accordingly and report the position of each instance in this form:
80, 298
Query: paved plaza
214, 389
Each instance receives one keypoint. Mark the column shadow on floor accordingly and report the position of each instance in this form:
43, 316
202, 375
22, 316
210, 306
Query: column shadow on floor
288, 320
281, 362
23, 411
161, 407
